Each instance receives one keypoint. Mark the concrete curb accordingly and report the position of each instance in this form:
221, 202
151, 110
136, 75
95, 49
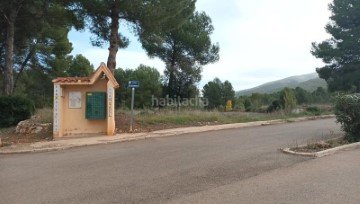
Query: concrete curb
64, 144
324, 152
89, 141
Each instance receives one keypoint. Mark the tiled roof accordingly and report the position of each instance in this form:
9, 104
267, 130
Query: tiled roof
71, 79
88, 80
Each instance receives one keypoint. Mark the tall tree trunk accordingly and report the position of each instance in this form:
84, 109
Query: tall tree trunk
171, 91
9, 53
171, 85
114, 39
24, 63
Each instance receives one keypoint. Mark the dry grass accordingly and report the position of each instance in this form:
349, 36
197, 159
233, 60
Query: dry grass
183, 117
44, 115
320, 145
316, 144
200, 117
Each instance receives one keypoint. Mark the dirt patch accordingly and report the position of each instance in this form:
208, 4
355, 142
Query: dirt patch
10, 137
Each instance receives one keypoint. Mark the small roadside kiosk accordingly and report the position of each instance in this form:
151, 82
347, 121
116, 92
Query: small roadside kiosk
85, 105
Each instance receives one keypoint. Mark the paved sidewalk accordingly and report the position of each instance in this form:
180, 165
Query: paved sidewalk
67, 143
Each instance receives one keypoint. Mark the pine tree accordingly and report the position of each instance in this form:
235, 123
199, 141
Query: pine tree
144, 17
34, 33
341, 53
184, 50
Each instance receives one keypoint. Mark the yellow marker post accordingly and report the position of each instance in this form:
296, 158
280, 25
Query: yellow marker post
228, 105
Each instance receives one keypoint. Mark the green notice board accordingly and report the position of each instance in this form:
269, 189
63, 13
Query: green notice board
95, 105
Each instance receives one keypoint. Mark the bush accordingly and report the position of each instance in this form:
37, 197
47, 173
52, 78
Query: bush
287, 99
313, 110
275, 106
14, 109
347, 111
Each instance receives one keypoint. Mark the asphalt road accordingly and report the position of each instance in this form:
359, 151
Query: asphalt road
332, 179
155, 170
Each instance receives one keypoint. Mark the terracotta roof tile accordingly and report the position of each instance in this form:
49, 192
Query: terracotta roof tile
88, 80
72, 79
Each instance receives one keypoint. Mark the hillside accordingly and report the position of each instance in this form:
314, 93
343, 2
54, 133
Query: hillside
308, 82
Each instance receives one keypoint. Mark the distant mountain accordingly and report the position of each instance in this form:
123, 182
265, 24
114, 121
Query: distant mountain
308, 82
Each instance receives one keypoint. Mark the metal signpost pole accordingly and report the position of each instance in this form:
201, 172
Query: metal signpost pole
132, 85
132, 109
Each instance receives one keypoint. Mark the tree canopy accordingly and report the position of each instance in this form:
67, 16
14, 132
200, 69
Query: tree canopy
184, 50
218, 93
34, 44
150, 86
341, 53
33, 34
79, 67
144, 17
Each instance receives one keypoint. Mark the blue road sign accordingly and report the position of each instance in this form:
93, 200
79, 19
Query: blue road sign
134, 84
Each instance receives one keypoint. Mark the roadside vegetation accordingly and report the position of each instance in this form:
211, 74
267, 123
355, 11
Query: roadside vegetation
197, 116
347, 112
341, 70
8, 135
150, 120
317, 145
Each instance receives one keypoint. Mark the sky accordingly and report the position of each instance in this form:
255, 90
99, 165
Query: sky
260, 41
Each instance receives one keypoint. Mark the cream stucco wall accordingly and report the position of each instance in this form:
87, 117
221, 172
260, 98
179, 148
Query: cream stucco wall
110, 108
74, 121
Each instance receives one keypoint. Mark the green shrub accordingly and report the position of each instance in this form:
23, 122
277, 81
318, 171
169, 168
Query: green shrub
275, 106
313, 110
347, 111
14, 109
